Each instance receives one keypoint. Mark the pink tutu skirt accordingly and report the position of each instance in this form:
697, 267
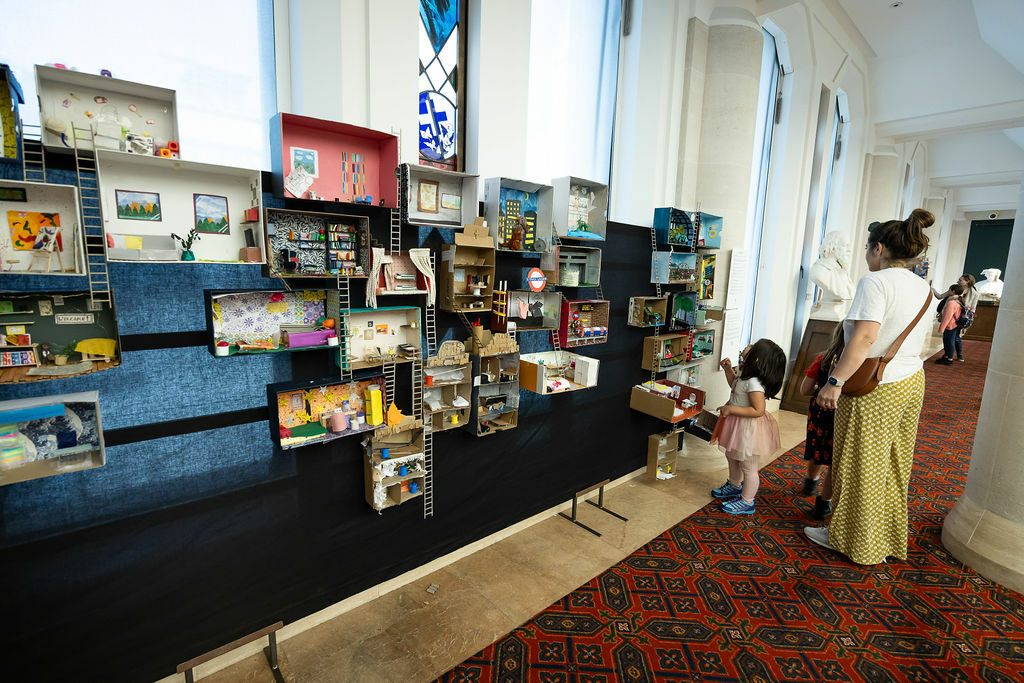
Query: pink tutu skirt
745, 437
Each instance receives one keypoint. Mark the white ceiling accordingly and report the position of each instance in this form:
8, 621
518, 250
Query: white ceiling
915, 26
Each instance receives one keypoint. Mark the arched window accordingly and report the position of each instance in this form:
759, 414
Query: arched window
442, 53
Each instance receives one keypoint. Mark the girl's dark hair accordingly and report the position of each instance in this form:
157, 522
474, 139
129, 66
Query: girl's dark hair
767, 362
830, 356
903, 239
957, 288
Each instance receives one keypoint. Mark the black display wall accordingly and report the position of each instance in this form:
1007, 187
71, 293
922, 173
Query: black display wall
132, 596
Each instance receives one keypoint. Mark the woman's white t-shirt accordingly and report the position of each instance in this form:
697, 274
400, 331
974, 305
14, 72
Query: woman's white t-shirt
892, 297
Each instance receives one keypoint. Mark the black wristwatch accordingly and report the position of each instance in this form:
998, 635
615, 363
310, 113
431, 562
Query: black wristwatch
836, 382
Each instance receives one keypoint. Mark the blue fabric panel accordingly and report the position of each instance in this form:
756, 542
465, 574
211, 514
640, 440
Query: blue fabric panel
145, 476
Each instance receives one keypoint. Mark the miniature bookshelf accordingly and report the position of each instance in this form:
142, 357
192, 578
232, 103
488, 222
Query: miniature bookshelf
580, 209
510, 204
41, 234
311, 244
584, 322
466, 272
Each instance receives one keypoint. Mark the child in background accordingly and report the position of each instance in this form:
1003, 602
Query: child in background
951, 309
820, 426
744, 429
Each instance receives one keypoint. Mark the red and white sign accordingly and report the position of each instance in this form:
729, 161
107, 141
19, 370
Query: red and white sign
536, 279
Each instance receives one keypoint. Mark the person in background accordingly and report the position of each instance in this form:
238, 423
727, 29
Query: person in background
970, 301
951, 309
873, 450
820, 427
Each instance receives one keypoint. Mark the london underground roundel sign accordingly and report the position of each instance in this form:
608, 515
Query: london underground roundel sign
537, 279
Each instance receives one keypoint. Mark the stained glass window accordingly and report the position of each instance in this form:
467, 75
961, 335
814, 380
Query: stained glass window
440, 57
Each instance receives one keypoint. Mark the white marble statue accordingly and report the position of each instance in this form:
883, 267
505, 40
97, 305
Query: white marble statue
831, 272
992, 287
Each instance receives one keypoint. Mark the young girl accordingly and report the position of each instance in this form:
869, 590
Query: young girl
949, 313
820, 427
744, 430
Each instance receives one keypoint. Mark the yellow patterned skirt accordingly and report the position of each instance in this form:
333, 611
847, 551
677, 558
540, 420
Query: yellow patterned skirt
873, 453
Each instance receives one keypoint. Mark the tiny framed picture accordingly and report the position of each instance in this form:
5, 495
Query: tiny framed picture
426, 200
451, 201
306, 159
211, 212
137, 206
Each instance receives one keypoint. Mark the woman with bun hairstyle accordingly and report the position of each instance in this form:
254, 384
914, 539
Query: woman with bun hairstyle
873, 447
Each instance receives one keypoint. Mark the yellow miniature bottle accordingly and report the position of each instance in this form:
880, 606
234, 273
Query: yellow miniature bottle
374, 405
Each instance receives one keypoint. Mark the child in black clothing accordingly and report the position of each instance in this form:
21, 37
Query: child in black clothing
820, 425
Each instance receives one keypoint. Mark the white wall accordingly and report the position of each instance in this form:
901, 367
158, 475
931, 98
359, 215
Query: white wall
983, 154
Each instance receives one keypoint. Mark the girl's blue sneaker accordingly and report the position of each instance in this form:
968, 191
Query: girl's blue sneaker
738, 507
726, 490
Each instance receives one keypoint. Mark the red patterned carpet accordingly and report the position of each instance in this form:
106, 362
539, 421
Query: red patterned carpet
719, 598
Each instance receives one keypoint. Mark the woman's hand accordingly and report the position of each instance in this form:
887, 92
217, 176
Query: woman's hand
724, 410
828, 396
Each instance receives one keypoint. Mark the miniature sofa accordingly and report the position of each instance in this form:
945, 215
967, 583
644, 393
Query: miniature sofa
141, 247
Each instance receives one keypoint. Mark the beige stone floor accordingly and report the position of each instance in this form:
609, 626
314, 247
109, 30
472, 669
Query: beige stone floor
408, 634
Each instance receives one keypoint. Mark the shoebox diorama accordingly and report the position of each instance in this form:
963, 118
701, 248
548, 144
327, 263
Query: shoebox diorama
42, 234
495, 400
466, 271
519, 214
667, 400
583, 322
448, 387
553, 372
677, 347
268, 321
687, 229
673, 268
527, 310
580, 209
376, 335
647, 311
401, 272
55, 335
41, 437
317, 411
579, 266
438, 197
312, 244
395, 464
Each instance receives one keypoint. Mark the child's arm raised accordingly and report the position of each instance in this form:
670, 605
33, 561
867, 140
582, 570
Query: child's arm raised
756, 408
730, 374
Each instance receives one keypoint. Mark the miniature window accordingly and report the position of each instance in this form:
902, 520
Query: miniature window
441, 55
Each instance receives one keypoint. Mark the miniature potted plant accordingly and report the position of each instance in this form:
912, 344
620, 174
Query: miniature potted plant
186, 244
223, 348
66, 352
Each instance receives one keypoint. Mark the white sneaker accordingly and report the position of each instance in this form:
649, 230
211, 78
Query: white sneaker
819, 535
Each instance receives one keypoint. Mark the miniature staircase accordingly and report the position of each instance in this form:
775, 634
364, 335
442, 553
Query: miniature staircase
341, 328
33, 160
396, 232
92, 219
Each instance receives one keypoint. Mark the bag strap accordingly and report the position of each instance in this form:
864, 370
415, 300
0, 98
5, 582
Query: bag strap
891, 353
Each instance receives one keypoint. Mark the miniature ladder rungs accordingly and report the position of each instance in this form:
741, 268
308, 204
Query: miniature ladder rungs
91, 213
341, 328
270, 652
599, 505
396, 231
33, 157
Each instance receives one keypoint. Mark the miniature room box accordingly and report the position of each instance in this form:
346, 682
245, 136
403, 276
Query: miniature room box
528, 310
584, 322
41, 232
667, 400
72, 99
448, 387
495, 402
687, 229
673, 268
579, 266
311, 244
467, 271
662, 451
553, 372
676, 348
319, 159
145, 199
377, 334
48, 435
395, 465
320, 410
268, 321
647, 311
55, 335
580, 208
519, 214
401, 272
435, 196
682, 307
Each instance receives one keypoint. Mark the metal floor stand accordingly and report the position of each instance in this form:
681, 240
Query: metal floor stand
599, 505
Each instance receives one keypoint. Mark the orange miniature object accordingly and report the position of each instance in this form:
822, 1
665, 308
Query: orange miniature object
395, 415
172, 146
329, 323
164, 152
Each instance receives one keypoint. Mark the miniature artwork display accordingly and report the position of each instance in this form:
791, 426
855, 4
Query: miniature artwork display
333, 161
466, 271
211, 213
553, 372
682, 308
42, 235
451, 201
427, 196
395, 465
376, 335
41, 437
584, 322
448, 387
667, 400
318, 411
137, 206
53, 335
580, 208
266, 321
434, 196
707, 277
647, 311
30, 227
307, 244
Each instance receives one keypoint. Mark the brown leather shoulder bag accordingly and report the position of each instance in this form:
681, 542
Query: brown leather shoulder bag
869, 374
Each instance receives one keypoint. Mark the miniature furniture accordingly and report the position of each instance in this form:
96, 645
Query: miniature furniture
580, 209
466, 271
519, 214
71, 101
647, 311
579, 266
146, 196
583, 322
44, 436
320, 159
667, 400
267, 321
553, 372
495, 400
395, 465
389, 333
312, 244
399, 273
319, 411
438, 197
448, 388
40, 232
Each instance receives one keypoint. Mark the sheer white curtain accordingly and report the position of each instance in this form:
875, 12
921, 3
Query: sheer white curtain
209, 52
574, 56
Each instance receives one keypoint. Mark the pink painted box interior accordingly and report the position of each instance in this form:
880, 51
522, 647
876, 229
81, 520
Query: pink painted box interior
316, 338
332, 141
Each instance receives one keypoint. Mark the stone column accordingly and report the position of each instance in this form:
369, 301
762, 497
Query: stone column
985, 529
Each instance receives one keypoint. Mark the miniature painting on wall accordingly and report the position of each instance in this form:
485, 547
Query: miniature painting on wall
376, 335
40, 233
318, 411
54, 335
41, 437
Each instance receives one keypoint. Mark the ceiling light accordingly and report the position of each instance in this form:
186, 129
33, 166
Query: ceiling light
896, 4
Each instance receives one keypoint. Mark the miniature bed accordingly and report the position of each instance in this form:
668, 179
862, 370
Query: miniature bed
268, 321
318, 411
55, 335
41, 437
553, 372
41, 233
